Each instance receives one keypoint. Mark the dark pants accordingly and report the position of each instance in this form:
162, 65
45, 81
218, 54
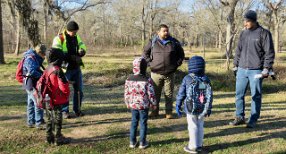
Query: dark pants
142, 116
75, 76
54, 121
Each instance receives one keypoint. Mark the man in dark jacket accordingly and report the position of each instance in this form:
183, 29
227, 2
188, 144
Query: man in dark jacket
254, 57
165, 55
32, 71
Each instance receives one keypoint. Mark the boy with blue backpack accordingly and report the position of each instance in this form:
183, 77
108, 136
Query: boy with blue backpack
196, 92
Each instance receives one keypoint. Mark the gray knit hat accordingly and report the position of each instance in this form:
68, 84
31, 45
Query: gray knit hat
250, 15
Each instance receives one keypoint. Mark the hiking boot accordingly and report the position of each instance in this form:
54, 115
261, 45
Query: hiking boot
30, 125
143, 145
153, 114
79, 114
60, 140
188, 150
66, 115
132, 145
199, 149
237, 121
250, 125
169, 116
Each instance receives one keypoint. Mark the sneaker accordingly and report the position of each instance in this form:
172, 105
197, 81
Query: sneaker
60, 140
79, 114
169, 116
153, 114
199, 149
30, 125
41, 126
132, 145
143, 146
237, 121
66, 115
250, 125
188, 150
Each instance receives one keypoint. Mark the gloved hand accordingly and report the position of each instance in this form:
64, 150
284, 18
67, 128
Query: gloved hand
234, 69
81, 52
209, 112
265, 73
179, 111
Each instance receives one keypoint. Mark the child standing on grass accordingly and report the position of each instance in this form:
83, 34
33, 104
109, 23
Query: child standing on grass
59, 95
139, 95
197, 94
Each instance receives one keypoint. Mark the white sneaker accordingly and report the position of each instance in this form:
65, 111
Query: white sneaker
132, 145
143, 146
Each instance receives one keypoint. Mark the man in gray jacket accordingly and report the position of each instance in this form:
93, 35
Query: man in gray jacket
254, 58
164, 54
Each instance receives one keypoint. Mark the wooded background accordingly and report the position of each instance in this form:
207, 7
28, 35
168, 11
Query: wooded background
121, 23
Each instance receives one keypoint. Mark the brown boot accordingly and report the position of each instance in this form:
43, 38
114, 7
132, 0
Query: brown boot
169, 116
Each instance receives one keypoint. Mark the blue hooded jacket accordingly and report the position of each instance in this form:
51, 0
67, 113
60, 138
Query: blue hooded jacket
31, 68
196, 68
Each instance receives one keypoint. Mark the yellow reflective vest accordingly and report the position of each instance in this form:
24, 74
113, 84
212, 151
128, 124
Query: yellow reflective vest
57, 43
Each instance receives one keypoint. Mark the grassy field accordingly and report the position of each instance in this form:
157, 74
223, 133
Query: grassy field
105, 128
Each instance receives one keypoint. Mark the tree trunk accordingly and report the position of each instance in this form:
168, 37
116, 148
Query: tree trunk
276, 33
18, 34
143, 24
2, 61
46, 13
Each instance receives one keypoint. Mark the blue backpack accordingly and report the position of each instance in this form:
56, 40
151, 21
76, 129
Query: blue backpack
199, 96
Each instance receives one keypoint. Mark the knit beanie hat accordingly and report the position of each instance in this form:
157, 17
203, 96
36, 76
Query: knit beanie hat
196, 65
41, 48
139, 66
72, 26
250, 15
55, 56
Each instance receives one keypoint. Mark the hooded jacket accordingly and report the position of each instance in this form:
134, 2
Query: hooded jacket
196, 67
164, 56
31, 68
58, 82
139, 91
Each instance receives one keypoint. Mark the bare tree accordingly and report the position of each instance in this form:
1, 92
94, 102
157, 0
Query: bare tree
230, 29
278, 19
2, 61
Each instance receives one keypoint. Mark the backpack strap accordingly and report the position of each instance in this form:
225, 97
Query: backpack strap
62, 38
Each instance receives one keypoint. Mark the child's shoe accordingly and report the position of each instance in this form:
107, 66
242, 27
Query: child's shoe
143, 145
132, 145
50, 139
60, 140
188, 150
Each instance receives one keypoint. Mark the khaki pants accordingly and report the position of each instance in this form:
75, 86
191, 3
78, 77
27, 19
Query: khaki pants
166, 81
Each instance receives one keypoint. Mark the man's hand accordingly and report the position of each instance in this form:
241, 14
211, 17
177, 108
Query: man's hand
265, 73
234, 69
81, 52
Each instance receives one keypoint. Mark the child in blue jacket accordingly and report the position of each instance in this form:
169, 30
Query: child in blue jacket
196, 93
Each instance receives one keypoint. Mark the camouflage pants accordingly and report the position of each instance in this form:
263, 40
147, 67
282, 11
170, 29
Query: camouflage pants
54, 121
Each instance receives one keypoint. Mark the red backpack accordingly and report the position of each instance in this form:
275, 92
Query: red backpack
43, 87
19, 70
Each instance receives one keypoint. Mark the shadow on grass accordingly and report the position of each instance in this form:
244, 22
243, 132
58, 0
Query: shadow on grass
4, 118
169, 142
95, 122
222, 146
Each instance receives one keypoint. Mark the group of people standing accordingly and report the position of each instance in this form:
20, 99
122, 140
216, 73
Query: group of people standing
66, 51
164, 54
254, 58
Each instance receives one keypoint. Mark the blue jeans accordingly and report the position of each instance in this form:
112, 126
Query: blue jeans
137, 115
34, 114
244, 78
75, 75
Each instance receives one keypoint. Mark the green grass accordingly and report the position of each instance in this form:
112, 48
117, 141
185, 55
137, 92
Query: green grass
105, 128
